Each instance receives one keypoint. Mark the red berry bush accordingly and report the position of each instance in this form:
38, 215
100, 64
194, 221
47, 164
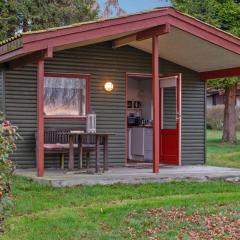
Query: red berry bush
8, 137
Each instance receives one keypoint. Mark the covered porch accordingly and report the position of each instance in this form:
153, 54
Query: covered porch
198, 49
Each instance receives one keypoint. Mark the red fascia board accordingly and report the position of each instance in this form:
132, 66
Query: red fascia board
94, 34
180, 21
11, 55
46, 39
231, 72
205, 35
67, 36
204, 26
30, 58
94, 26
144, 17
129, 19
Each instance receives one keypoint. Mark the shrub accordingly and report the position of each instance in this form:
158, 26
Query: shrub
8, 136
215, 116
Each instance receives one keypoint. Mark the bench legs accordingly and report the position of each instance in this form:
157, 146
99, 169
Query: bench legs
80, 151
97, 160
88, 160
105, 154
71, 153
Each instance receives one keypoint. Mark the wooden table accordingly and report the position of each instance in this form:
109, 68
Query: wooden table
98, 136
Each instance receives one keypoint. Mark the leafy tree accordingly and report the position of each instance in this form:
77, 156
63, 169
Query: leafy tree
8, 19
28, 15
112, 7
224, 14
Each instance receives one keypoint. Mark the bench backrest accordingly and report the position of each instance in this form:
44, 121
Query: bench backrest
53, 136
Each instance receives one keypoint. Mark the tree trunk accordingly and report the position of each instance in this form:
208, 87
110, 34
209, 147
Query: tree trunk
229, 128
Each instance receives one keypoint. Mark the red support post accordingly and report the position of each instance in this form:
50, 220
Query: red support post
40, 118
156, 106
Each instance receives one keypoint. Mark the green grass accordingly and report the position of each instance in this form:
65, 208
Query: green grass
145, 211
113, 212
222, 154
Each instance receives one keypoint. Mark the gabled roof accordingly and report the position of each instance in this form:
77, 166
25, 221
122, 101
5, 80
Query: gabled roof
190, 42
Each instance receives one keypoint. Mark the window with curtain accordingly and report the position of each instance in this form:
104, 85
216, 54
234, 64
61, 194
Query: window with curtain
65, 96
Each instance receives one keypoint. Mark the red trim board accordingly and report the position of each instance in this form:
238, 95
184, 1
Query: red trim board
96, 30
231, 72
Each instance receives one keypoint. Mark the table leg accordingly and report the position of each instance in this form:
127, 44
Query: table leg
80, 148
105, 159
62, 160
97, 165
71, 153
88, 160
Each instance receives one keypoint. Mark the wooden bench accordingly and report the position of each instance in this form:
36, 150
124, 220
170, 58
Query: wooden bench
56, 141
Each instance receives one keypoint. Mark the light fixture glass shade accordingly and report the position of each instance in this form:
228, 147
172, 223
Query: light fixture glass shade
108, 86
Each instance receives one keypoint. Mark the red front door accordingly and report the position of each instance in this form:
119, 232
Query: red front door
170, 120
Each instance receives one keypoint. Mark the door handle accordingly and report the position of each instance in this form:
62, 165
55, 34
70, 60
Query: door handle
178, 116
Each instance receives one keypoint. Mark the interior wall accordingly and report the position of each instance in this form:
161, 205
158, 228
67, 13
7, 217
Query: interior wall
140, 89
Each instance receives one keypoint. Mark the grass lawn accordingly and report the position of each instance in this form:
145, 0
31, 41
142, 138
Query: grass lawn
219, 154
178, 210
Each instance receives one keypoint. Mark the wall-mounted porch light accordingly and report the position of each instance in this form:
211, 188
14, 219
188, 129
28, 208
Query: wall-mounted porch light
108, 86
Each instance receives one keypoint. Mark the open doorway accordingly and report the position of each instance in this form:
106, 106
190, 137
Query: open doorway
140, 117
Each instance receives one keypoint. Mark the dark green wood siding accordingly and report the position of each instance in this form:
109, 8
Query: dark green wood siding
20, 92
104, 64
193, 119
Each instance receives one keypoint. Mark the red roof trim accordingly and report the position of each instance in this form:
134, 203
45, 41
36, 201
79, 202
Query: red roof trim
138, 22
231, 72
11, 55
98, 32
206, 35
205, 26
94, 26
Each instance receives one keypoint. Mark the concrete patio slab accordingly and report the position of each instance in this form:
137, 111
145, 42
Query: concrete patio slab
130, 175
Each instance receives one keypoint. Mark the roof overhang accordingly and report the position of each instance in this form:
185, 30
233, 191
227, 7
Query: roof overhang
190, 42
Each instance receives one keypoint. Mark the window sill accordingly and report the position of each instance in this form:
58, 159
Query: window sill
65, 117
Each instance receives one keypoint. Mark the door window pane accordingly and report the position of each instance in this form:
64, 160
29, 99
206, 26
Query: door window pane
169, 107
